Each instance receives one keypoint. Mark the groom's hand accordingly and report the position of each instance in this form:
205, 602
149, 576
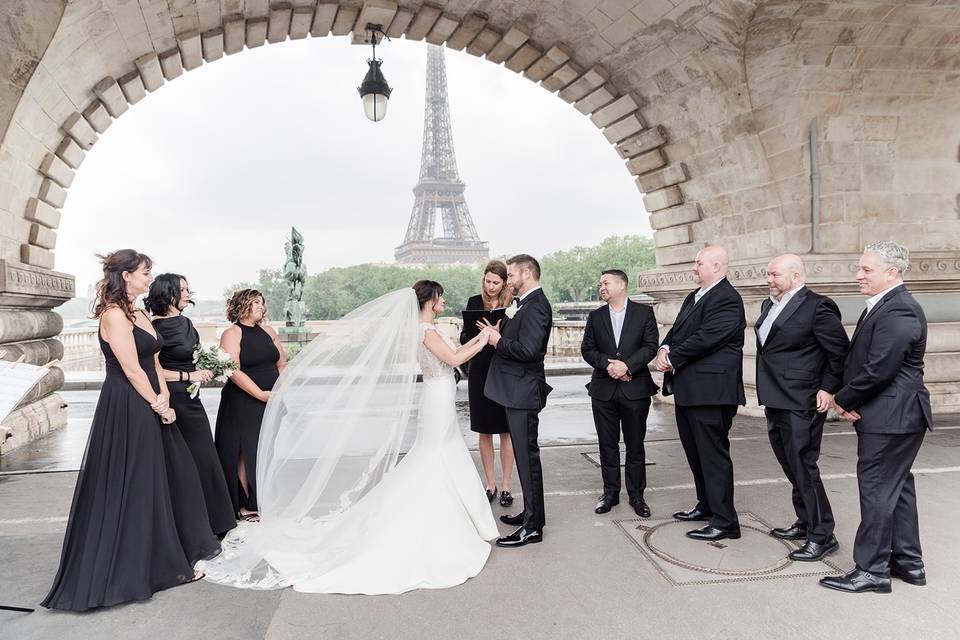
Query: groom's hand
617, 369
492, 329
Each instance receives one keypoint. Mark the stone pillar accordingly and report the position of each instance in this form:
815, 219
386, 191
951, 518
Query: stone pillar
934, 279
28, 328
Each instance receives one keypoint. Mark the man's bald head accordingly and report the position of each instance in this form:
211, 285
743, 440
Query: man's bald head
710, 265
785, 272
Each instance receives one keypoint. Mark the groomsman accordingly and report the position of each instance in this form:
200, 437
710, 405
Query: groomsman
516, 380
800, 348
883, 395
701, 358
620, 339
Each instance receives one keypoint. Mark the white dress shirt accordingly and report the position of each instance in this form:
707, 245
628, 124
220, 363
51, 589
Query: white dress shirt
616, 318
702, 292
520, 301
873, 300
774, 313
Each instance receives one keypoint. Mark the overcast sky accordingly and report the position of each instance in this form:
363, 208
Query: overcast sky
208, 174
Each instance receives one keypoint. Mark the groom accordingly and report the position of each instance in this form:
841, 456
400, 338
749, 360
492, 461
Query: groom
516, 381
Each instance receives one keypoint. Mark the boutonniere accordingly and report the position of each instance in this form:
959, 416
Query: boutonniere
512, 310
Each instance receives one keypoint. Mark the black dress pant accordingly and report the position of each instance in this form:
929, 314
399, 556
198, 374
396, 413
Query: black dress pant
704, 431
524, 425
795, 438
889, 528
609, 417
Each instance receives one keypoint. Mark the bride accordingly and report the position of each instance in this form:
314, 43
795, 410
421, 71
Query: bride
339, 513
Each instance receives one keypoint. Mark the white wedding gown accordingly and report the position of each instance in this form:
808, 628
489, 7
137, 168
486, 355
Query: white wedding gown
424, 525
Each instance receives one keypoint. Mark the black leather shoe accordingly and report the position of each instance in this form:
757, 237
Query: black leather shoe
491, 494
640, 507
857, 581
514, 520
606, 503
796, 531
505, 499
694, 514
813, 551
521, 537
710, 533
916, 577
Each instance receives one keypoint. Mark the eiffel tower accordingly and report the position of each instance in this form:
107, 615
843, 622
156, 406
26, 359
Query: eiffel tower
439, 191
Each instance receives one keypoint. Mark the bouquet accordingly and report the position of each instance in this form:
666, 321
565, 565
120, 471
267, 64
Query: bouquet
216, 361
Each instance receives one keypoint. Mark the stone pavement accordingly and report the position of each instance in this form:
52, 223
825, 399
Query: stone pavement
604, 576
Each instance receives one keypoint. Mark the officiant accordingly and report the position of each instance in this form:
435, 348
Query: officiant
486, 416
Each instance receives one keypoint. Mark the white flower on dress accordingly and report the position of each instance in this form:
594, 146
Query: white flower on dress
512, 310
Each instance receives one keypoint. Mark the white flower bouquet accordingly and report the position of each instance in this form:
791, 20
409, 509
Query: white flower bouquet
216, 361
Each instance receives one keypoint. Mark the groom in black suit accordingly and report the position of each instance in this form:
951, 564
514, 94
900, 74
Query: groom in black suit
883, 395
516, 381
701, 358
801, 343
619, 341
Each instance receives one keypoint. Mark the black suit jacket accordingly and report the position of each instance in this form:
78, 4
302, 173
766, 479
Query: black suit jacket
803, 352
638, 346
516, 379
883, 369
706, 349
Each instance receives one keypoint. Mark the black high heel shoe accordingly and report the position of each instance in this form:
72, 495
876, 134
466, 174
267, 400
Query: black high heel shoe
492, 494
505, 499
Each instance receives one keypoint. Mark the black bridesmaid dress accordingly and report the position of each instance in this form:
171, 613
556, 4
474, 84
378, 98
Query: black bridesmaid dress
486, 416
133, 529
240, 414
180, 339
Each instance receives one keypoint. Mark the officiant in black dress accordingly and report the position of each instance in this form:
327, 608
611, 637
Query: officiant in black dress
169, 296
486, 416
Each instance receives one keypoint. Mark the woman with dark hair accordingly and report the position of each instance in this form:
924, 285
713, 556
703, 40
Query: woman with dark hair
169, 296
256, 347
128, 536
486, 416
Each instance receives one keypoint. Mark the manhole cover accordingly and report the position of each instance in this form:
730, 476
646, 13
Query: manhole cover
682, 561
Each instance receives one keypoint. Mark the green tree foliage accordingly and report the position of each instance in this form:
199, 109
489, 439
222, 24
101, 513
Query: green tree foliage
572, 275
568, 276
271, 284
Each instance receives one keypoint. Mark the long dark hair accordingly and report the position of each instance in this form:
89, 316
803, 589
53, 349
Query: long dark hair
164, 293
427, 290
112, 289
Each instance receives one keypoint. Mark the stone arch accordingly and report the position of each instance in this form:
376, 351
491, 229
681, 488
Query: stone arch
617, 114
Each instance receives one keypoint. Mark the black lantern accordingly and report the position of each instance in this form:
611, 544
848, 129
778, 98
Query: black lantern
374, 89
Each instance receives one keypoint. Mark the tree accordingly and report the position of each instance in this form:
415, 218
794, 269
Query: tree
271, 284
572, 275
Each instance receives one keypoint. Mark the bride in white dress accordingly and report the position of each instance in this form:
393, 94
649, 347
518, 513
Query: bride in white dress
339, 513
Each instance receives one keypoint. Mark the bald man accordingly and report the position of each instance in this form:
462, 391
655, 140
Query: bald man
701, 358
800, 348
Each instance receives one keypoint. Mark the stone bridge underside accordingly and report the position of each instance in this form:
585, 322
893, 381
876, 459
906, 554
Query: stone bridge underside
709, 103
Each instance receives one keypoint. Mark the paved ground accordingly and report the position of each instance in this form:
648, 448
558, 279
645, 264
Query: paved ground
594, 576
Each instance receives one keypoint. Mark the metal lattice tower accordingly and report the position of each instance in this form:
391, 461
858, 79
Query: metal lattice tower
439, 191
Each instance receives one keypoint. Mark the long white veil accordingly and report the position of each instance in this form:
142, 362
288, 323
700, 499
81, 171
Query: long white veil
331, 431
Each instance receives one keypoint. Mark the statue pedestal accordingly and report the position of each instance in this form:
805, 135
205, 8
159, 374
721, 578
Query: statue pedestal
294, 338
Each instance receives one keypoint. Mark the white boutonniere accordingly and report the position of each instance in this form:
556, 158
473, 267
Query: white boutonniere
512, 310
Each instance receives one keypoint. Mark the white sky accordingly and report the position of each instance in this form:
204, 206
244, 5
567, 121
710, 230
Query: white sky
208, 174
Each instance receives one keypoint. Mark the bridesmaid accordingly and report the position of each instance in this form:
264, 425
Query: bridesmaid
169, 296
127, 537
486, 416
256, 346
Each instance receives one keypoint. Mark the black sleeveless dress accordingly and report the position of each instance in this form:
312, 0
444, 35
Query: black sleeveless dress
486, 416
240, 414
137, 523
180, 339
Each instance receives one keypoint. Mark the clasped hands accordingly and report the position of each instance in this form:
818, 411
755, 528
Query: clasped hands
163, 409
825, 400
618, 370
492, 331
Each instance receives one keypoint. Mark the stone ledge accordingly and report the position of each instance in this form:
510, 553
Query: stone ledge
34, 421
23, 286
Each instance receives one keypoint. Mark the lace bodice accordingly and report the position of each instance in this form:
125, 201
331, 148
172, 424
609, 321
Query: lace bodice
431, 365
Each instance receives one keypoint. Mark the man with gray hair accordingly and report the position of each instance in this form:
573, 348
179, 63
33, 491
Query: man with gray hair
883, 395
